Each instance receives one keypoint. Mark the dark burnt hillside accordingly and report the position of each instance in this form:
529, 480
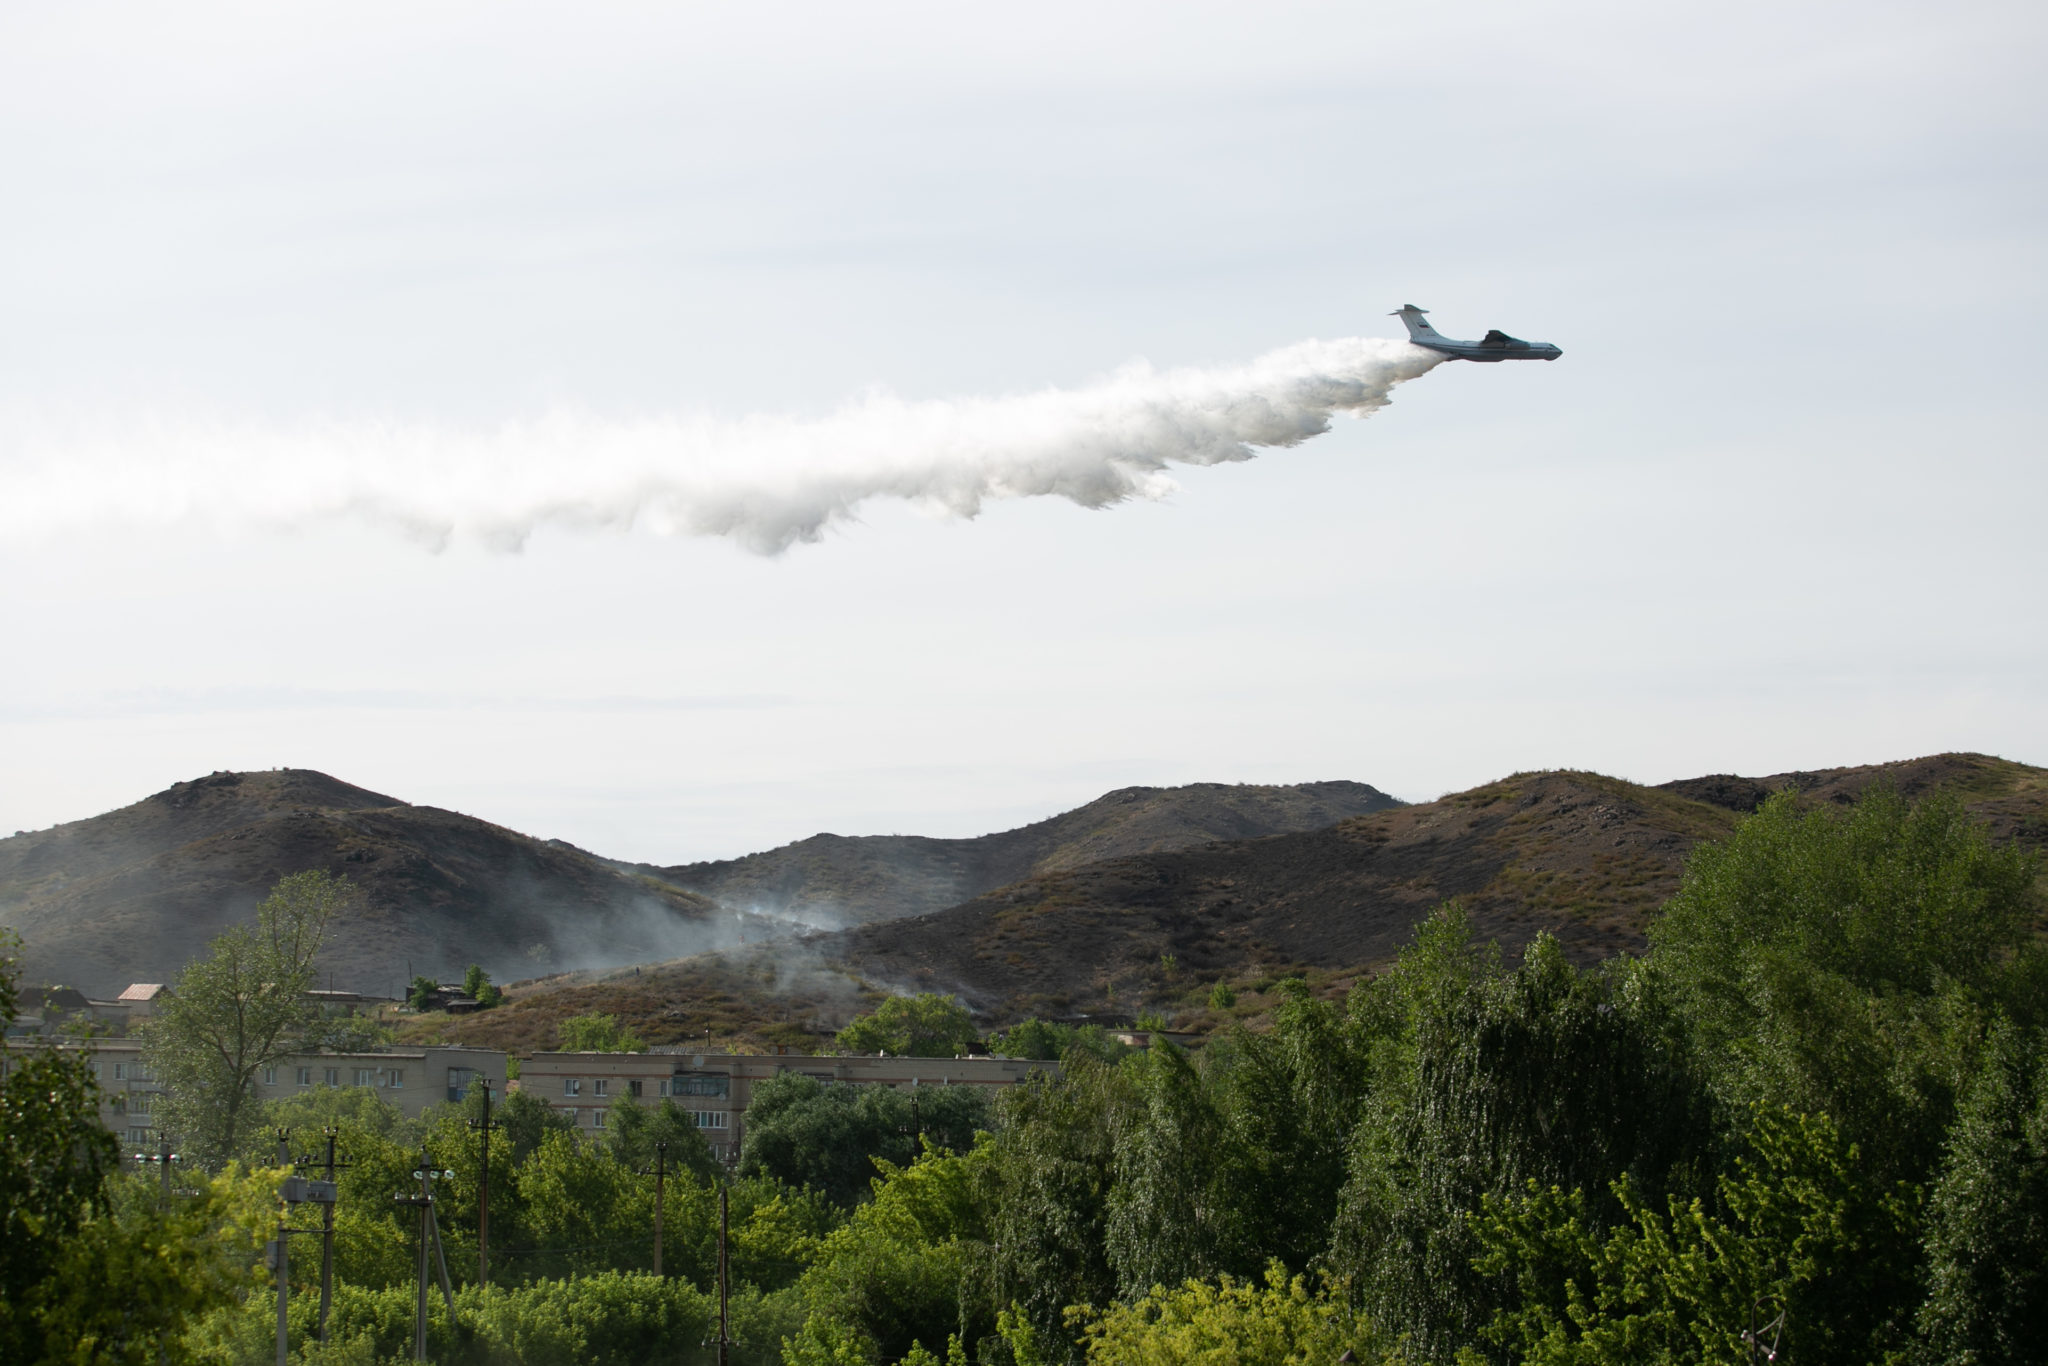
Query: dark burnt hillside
134, 894
1586, 857
833, 880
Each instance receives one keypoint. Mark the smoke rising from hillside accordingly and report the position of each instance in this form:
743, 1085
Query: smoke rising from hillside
764, 482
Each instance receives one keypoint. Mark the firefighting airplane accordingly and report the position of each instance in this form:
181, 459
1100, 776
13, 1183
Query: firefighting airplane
1495, 345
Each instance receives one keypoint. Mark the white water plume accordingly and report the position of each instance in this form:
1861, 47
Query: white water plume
765, 482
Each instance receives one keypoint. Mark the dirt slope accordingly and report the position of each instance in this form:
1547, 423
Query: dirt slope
133, 894
835, 880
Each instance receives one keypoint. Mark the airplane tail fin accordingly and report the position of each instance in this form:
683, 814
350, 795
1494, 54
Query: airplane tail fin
1418, 326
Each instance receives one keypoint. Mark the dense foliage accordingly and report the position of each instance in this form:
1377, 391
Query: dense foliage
927, 1025
1811, 1122
241, 1006
828, 1138
598, 1033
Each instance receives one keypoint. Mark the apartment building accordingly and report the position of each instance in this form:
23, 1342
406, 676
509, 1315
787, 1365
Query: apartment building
411, 1079
714, 1088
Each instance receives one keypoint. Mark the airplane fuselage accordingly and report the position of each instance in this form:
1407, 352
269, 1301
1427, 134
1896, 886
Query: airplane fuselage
1495, 345
1511, 349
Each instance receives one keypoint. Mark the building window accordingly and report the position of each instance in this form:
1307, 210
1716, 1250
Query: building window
141, 1136
709, 1119
396, 1079
701, 1086
120, 1104
120, 1071
601, 1087
270, 1076
138, 1104
633, 1088
305, 1076
366, 1076
459, 1080
664, 1088
331, 1075
597, 1119
572, 1086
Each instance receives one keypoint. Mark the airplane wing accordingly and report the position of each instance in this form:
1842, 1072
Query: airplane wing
1495, 337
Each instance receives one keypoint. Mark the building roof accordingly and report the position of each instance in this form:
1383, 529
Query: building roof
143, 991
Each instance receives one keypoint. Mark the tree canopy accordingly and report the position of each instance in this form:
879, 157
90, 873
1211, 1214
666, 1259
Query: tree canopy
241, 1006
828, 1138
928, 1025
597, 1032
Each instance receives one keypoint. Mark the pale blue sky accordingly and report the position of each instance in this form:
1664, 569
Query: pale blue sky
1779, 505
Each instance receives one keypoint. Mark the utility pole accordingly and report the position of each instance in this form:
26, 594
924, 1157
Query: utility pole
284, 1285
724, 1337
284, 1258
296, 1190
430, 1230
660, 1175
163, 1157
329, 1165
483, 1199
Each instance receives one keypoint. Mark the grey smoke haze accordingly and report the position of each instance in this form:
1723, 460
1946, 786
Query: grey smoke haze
765, 482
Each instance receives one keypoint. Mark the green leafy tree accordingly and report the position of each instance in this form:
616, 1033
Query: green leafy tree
584, 1208
607, 1318
598, 1033
1846, 962
525, 1118
1046, 1041
477, 984
1987, 1234
896, 1275
1222, 996
133, 1276
54, 1162
1198, 1323
1048, 1172
1478, 1079
632, 1130
420, 995
927, 1025
828, 1138
308, 1114
778, 1231
240, 1007
1171, 1213
1800, 1248
1035, 1039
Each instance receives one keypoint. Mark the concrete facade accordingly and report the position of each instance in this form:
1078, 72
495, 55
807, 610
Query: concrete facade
715, 1087
411, 1079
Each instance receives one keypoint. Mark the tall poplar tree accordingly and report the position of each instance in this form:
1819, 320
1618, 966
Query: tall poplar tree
241, 1007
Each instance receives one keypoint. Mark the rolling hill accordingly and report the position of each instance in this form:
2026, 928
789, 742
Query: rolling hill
832, 881
1587, 857
131, 895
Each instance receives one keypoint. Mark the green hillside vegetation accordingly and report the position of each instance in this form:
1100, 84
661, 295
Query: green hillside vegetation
1810, 1120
